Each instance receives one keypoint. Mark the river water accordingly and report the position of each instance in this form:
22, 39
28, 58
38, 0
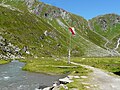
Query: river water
13, 78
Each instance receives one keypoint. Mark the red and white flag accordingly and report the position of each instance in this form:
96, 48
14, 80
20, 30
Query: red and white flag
72, 30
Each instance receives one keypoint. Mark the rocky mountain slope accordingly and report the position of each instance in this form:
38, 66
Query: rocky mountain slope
108, 26
29, 28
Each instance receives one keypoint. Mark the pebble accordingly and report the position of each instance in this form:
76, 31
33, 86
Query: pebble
87, 87
71, 77
84, 77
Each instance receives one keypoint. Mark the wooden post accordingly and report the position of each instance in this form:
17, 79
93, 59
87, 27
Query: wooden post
69, 50
69, 56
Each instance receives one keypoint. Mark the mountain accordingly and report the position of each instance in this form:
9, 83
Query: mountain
108, 27
29, 28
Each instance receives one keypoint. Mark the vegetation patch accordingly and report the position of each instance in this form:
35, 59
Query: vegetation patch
109, 64
4, 61
57, 67
52, 66
76, 84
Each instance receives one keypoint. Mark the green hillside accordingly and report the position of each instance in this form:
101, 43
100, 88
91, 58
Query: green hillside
108, 26
33, 29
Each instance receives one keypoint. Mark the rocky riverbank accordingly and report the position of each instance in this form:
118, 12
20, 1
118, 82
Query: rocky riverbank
59, 84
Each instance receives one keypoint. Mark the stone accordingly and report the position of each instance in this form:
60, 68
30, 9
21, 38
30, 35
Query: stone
46, 33
85, 83
76, 77
83, 58
56, 88
65, 80
74, 89
64, 86
71, 77
87, 87
27, 52
84, 77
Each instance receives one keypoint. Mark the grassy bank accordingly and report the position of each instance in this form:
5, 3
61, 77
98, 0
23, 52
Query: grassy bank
4, 61
52, 66
57, 67
109, 64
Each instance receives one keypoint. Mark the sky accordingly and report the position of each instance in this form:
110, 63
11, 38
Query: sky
87, 8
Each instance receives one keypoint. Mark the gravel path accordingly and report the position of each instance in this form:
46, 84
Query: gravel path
103, 79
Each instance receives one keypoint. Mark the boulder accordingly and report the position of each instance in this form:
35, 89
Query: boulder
65, 80
71, 77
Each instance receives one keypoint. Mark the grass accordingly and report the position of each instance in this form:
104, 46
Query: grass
112, 27
76, 84
4, 61
51, 66
19, 34
109, 64
22, 28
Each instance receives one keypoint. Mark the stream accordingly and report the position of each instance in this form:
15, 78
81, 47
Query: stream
13, 78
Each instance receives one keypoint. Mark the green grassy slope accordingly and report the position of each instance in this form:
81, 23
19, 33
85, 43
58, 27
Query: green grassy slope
107, 26
108, 64
61, 20
42, 30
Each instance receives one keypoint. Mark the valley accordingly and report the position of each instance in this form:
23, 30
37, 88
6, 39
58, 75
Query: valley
38, 34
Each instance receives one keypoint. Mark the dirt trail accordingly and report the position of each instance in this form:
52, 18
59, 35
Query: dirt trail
102, 79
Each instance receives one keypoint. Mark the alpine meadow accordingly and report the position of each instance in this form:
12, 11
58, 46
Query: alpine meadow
45, 37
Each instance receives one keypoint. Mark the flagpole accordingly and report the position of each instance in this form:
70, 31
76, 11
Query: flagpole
72, 32
69, 50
